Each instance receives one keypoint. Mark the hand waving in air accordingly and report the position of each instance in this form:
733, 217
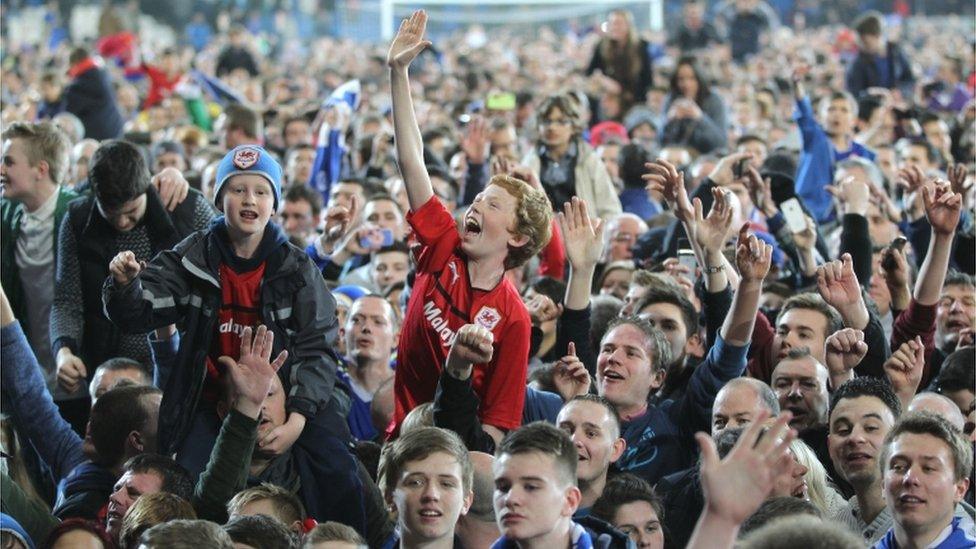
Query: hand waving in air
409, 41
664, 178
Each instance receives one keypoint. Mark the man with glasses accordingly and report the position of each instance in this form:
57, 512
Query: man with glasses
566, 165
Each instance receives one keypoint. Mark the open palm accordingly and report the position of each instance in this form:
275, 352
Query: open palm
409, 41
712, 232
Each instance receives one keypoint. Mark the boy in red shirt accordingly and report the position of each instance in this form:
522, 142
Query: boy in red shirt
460, 276
240, 273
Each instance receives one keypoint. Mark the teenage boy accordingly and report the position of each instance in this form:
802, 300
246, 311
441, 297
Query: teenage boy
460, 277
535, 490
426, 478
824, 144
594, 426
35, 200
926, 464
239, 273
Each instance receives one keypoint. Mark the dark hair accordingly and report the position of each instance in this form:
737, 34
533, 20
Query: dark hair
597, 399
703, 89
866, 386
186, 534
120, 363
547, 439
931, 153
71, 524
624, 488
239, 117
176, 479
958, 371
777, 508
116, 414
567, 105
261, 531
632, 159
604, 309
670, 294
869, 23
419, 444
550, 287
297, 193
78, 54
292, 119
397, 246
957, 278
118, 173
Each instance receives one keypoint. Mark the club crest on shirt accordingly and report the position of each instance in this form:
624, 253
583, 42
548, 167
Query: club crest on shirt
245, 158
487, 318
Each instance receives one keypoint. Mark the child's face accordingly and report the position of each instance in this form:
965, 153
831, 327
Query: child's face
488, 223
248, 201
531, 500
389, 268
429, 498
839, 119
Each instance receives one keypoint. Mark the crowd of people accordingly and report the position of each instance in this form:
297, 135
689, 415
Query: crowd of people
587, 288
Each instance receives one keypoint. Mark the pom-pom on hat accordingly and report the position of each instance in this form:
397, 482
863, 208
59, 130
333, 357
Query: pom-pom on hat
249, 159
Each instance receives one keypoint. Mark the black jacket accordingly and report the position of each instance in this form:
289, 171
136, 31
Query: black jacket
90, 97
862, 73
96, 245
183, 285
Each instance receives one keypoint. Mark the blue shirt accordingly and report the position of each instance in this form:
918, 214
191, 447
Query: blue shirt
956, 538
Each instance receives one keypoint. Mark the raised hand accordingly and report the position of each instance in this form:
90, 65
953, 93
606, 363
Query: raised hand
712, 232
942, 207
752, 256
807, 238
338, 219
904, 369
957, 178
838, 284
911, 178
252, 373
472, 345
570, 375
894, 267
759, 192
582, 235
124, 267
853, 195
722, 174
475, 142
843, 351
409, 41
172, 187
71, 370
735, 486
665, 179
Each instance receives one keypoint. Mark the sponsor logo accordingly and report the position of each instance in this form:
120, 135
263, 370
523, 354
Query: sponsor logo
231, 327
454, 272
435, 317
245, 158
487, 318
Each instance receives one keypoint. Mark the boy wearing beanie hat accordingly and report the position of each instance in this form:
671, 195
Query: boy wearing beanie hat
240, 273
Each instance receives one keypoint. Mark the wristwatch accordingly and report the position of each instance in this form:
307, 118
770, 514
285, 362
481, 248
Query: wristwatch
713, 270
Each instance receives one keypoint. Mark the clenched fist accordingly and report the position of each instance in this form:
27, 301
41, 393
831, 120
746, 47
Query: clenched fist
471, 346
124, 267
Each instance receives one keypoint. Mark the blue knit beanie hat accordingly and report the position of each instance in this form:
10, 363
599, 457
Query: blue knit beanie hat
246, 159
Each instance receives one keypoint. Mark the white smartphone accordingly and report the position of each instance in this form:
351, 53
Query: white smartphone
686, 257
793, 212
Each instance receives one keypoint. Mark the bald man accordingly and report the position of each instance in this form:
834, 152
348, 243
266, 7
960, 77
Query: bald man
939, 405
478, 527
739, 402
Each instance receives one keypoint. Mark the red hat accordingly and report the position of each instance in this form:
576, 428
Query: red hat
604, 130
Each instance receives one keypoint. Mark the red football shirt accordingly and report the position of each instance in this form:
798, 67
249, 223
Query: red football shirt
441, 302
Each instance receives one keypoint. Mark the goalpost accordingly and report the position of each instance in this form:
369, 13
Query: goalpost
647, 13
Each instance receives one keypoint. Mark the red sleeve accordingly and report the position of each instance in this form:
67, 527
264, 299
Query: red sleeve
553, 255
916, 320
761, 349
504, 395
437, 233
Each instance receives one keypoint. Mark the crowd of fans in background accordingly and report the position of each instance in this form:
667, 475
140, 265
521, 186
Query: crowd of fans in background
583, 287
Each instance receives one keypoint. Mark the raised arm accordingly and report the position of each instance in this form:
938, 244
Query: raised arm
753, 258
407, 45
942, 208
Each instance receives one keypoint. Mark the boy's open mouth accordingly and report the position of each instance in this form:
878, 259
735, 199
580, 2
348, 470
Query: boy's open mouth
249, 215
472, 226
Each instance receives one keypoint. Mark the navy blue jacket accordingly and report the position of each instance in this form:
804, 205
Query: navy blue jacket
90, 97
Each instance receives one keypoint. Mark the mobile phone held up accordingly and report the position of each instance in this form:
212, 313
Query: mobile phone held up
686, 258
793, 213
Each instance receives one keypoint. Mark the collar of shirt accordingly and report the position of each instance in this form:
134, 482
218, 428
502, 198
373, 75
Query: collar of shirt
46, 211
